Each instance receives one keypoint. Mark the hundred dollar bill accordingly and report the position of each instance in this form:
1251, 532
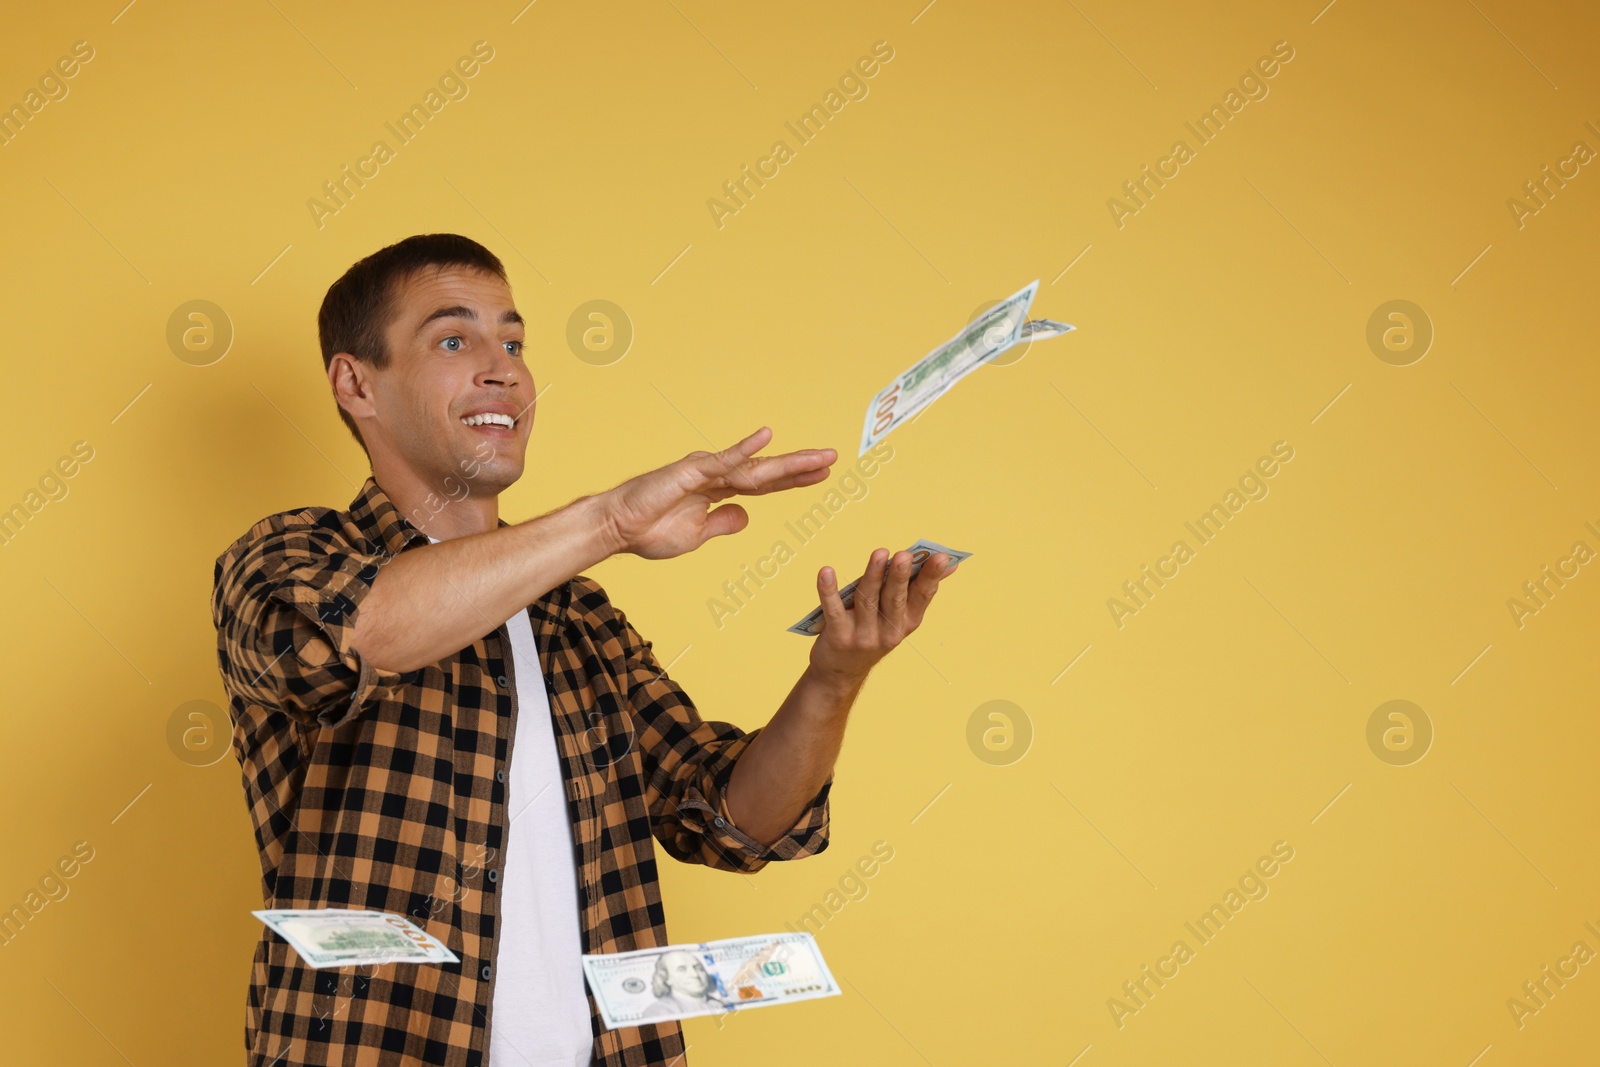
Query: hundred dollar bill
680, 981
931, 376
340, 937
811, 625
979, 341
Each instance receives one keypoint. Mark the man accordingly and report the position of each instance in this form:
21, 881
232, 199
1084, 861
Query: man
437, 714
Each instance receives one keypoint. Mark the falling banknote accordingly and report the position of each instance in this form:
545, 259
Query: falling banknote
679, 981
339, 937
811, 625
979, 341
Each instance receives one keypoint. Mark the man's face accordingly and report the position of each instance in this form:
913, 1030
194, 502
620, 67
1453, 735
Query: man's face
686, 976
455, 378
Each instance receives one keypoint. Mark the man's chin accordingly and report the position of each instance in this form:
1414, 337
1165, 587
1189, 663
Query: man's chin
491, 472
493, 480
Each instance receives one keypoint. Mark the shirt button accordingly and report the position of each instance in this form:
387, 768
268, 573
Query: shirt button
485, 972
494, 876
500, 776
720, 822
504, 684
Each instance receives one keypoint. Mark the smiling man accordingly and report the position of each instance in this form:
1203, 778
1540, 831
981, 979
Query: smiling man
437, 714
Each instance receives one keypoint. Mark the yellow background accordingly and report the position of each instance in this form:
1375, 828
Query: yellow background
1223, 317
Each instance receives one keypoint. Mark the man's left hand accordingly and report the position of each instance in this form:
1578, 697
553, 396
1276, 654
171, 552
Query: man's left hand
888, 605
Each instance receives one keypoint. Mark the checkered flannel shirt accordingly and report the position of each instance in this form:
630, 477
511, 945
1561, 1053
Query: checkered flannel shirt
387, 791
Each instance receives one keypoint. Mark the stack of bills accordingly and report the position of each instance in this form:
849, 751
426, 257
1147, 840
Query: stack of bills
811, 625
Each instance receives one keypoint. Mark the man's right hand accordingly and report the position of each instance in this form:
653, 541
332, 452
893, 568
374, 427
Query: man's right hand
668, 512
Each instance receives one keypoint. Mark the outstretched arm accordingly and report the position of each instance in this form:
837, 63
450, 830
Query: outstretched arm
426, 603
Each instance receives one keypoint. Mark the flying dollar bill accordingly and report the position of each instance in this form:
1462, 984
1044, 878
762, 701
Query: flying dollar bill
680, 981
931, 376
811, 625
979, 341
340, 937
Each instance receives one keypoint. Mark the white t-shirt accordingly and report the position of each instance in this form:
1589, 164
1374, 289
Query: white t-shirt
540, 1015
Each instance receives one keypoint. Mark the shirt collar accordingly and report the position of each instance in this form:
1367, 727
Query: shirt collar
381, 522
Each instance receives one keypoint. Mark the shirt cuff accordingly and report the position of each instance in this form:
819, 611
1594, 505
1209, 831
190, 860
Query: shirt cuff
806, 837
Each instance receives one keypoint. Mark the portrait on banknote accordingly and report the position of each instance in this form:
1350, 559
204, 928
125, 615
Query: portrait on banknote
682, 986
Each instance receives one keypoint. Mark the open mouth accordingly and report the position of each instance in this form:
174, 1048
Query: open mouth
491, 423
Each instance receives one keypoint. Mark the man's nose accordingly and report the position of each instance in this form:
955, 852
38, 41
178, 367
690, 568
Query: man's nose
501, 369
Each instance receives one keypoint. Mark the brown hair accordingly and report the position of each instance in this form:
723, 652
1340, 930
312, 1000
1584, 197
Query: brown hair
359, 306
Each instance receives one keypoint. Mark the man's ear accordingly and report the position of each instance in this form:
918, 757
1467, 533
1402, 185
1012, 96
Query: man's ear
352, 387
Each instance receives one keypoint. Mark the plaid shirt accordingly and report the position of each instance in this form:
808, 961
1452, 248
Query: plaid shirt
387, 791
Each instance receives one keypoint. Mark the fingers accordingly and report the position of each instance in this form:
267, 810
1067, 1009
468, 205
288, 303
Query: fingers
769, 474
895, 585
811, 477
722, 468
737, 469
833, 609
736, 453
933, 572
728, 519
888, 604
870, 588
752, 444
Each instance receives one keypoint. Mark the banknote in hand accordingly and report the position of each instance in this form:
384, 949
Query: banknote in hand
811, 625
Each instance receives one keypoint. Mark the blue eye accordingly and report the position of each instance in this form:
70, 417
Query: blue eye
514, 348
447, 340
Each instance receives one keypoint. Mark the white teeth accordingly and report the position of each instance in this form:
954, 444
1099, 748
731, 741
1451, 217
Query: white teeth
490, 419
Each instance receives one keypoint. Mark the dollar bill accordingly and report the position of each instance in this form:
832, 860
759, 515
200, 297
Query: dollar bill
935, 373
1040, 329
340, 937
681, 981
811, 625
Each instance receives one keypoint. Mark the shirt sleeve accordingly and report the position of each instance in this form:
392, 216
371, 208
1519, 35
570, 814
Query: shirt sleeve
688, 762
284, 603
